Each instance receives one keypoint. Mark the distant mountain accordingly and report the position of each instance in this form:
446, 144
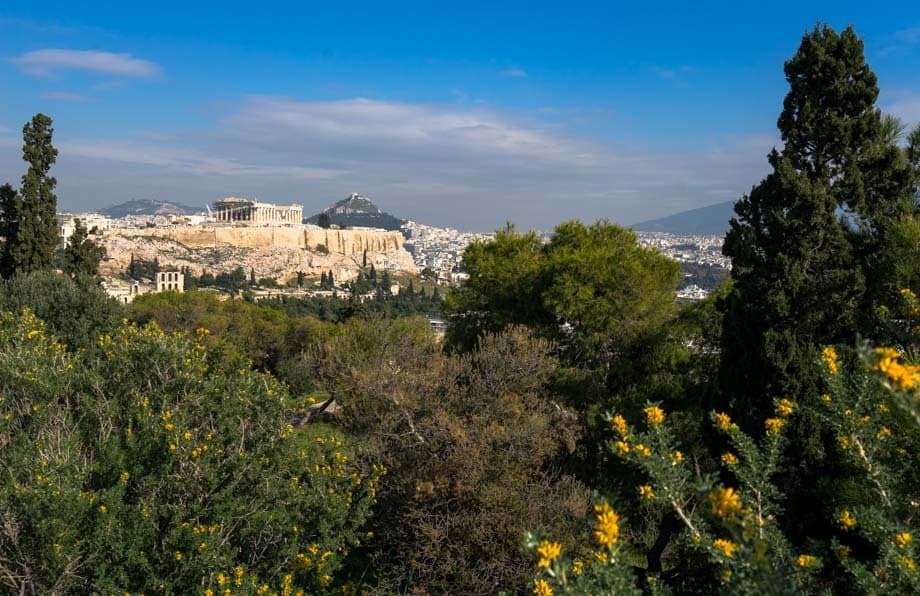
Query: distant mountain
705, 220
148, 207
358, 211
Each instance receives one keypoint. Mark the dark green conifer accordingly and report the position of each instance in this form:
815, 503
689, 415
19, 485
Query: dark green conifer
82, 255
32, 246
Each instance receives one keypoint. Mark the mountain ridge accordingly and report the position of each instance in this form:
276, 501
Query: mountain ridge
147, 207
708, 220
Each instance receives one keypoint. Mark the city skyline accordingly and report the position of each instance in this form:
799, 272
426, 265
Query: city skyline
461, 117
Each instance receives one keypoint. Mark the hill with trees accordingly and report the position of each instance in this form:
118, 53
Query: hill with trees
355, 211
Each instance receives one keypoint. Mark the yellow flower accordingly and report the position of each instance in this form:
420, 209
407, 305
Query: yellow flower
643, 450
826, 397
542, 588
726, 547
178, 556
646, 492
124, 476
729, 459
187, 436
774, 425
654, 415
785, 407
676, 457
725, 502
607, 530
806, 561
903, 376
618, 423
903, 539
578, 567
103, 509
844, 441
829, 356
622, 447
723, 421
221, 579
847, 520
908, 563
548, 552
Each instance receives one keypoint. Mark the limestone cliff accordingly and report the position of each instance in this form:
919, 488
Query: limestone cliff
278, 252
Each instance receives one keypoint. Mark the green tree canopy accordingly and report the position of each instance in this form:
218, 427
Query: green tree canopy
82, 255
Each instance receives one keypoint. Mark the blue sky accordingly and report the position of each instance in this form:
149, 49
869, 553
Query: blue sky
462, 114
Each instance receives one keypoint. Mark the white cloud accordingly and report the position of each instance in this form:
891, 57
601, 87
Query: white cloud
48, 61
514, 73
672, 73
65, 96
187, 160
905, 105
389, 125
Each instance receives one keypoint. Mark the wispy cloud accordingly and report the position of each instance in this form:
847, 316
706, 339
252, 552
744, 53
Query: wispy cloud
392, 124
188, 160
514, 73
899, 41
905, 105
65, 96
49, 61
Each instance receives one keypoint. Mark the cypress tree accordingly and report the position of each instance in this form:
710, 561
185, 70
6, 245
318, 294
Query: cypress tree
804, 242
32, 246
323, 281
331, 280
8, 201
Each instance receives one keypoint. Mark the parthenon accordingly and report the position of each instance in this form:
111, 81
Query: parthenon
237, 210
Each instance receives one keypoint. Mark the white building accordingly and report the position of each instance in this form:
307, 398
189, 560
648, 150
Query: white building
244, 211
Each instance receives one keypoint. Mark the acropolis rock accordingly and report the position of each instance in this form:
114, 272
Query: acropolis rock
272, 251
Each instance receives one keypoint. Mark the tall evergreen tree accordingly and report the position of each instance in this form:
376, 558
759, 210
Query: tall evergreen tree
35, 240
323, 281
805, 239
82, 256
330, 280
8, 213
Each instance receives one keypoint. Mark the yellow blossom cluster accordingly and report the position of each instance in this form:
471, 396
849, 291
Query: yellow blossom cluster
723, 421
726, 503
829, 356
549, 552
607, 529
542, 588
774, 425
654, 415
646, 492
806, 561
905, 377
785, 407
618, 423
726, 547
903, 539
847, 520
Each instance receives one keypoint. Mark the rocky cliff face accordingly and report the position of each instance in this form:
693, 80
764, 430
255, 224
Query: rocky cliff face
278, 252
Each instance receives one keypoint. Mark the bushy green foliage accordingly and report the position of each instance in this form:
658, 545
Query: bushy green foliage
468, 441
76, 310
144, 468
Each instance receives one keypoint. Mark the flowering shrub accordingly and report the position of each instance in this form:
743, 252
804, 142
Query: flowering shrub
139, 467
728, 521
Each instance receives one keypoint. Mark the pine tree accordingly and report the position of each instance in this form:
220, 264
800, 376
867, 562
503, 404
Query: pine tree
411, 289
331, 280
32, 246
82, 256
252, 276
323, 281
372, 276
8, 211
300, 279
805, 239
364, 259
